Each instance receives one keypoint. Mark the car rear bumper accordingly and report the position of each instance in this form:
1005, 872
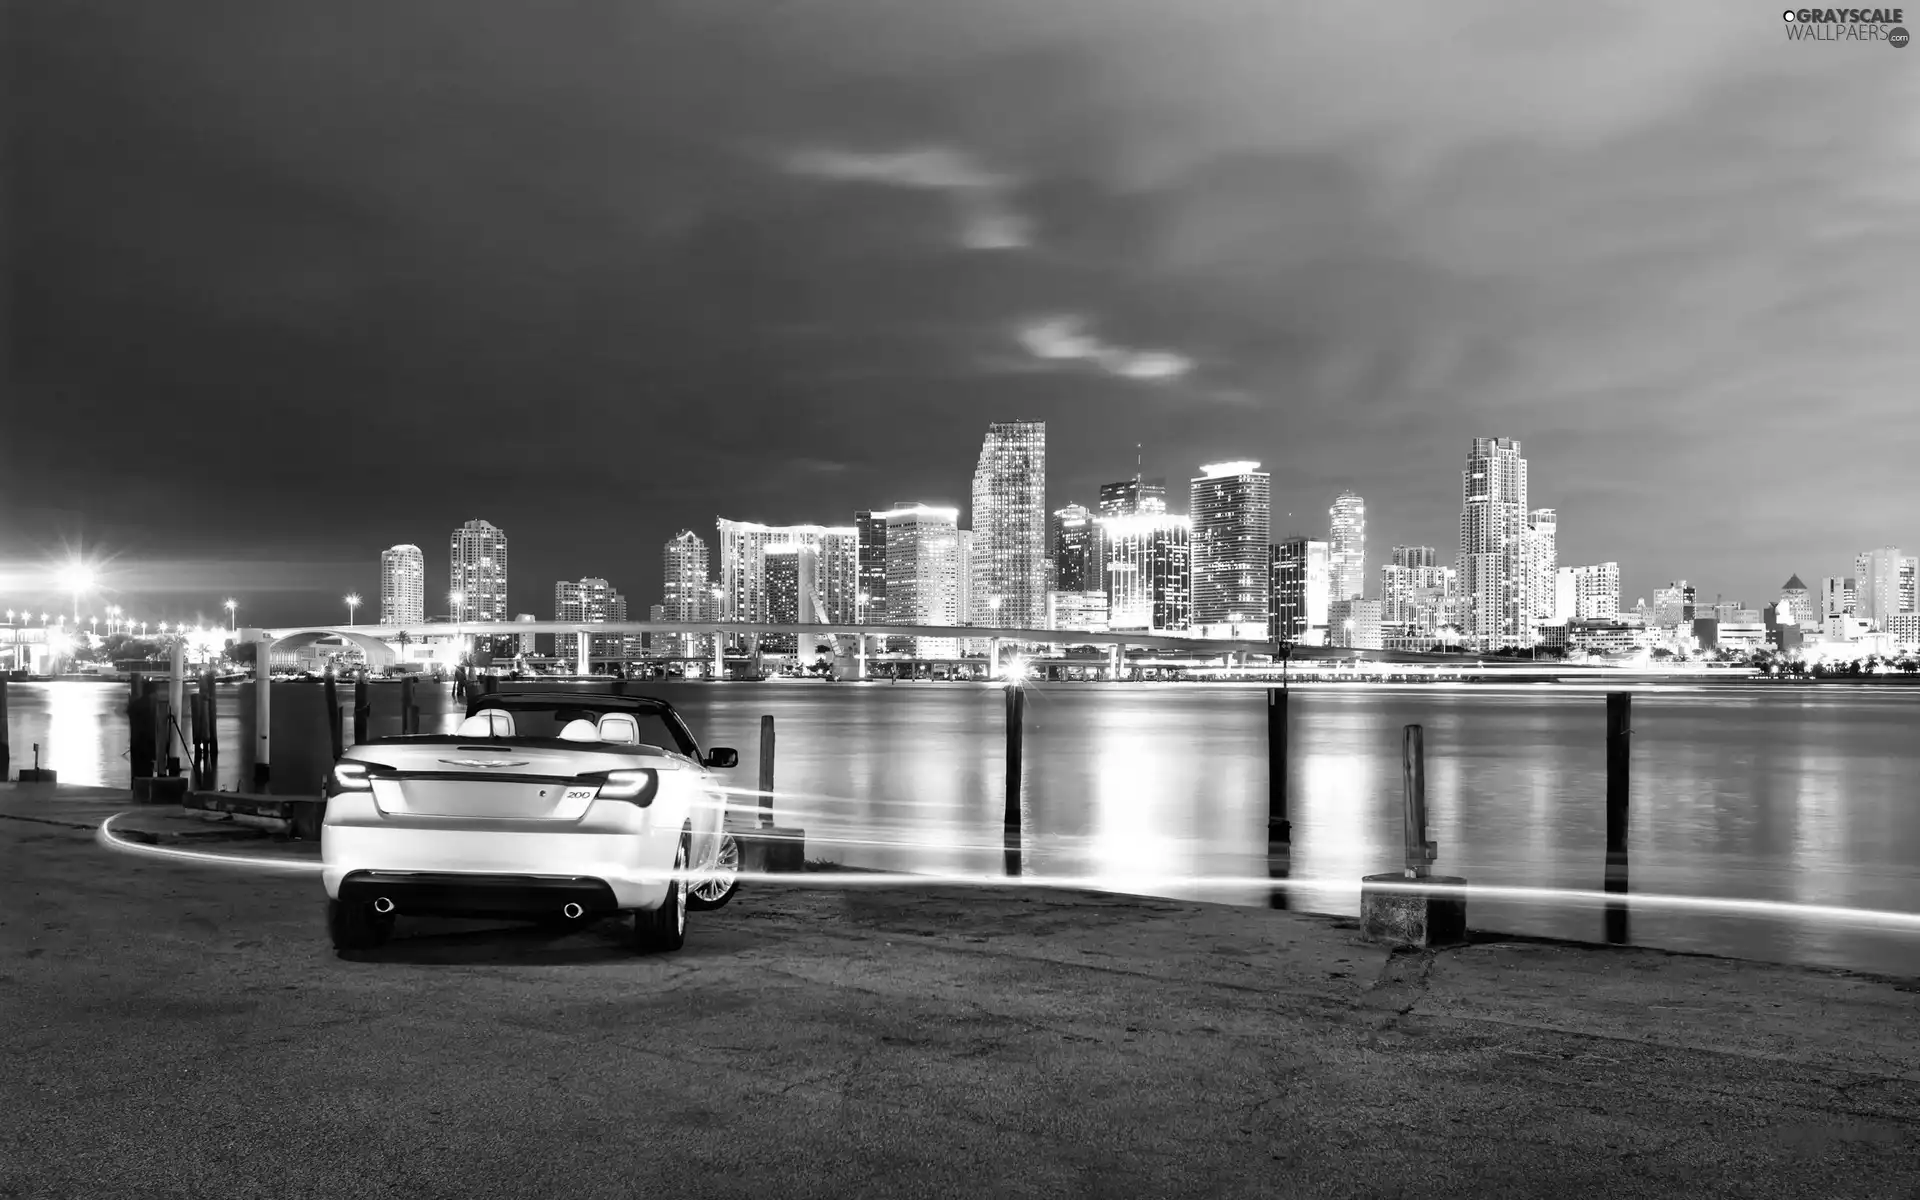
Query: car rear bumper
634, 867
455, 894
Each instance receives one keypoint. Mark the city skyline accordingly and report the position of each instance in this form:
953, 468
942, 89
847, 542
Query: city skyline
850, 264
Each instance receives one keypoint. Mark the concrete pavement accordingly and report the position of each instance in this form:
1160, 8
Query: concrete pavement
185, 1030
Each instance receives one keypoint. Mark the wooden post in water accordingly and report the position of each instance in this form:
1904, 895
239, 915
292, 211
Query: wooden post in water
6, 750
1016, 735
766, 771
262, 713
176, 706
1619, 761
139, 729
1413, 770
362, 708
1279, 825
335, 734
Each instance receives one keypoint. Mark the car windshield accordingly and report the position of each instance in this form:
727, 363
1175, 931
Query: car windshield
547, 719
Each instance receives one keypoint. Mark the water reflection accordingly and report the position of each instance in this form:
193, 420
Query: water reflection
1799, 796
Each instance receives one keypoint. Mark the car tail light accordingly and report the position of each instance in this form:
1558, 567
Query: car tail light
351, 777
635, 787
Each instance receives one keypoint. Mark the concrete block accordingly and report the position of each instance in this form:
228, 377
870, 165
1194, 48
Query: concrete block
773, 849
160, 789
1412, 917
39, 775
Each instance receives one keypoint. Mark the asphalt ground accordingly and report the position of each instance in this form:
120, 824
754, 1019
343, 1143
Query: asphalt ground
179, 1029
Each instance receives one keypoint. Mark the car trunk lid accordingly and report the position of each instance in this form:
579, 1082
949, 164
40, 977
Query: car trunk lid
497, 780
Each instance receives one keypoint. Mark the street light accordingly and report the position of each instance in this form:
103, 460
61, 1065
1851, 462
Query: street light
233, 607
76, 578
93, 624
353, 602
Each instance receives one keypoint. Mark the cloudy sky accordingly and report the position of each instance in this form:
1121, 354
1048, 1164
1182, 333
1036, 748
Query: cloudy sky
343, 275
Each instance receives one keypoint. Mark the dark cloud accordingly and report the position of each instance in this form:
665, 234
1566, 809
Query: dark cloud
608, 271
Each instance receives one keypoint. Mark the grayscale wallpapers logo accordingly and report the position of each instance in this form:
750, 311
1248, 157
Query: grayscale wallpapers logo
1847, 25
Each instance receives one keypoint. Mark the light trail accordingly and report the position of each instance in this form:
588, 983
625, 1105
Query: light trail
1159, 886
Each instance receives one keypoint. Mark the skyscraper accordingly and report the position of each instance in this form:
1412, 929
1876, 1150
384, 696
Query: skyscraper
926, 574
1077, 557
477, 587
403, 586
688, 591
1300, 572
1673, 605
1348, 541
793, 591
1884, 583
1009, 544
588, 601
1148, 571
1839, 597
1130, 496
1493, 542
1232, 587
743, 568
870, 602
1541, 560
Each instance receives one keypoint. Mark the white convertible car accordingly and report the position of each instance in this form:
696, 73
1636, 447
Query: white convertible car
550, 806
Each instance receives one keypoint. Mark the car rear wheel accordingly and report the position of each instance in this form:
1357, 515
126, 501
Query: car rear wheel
664, 929
721, 881
355, 926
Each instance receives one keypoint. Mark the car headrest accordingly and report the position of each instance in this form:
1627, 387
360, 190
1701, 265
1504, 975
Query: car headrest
619, 728
488, 722
581, 730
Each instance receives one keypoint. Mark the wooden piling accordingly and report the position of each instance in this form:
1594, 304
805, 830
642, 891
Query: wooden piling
409, 712
766, 771
1413, 774
362, 709
1619, 762
1016, 736
334, 732
1279, 824
6, 749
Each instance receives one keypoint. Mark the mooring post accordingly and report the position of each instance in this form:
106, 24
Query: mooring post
6, 750
139, 729
362, 708
210, 735
176, 705
1279, 825
335, 734
766, 771
1619, 761
1395, 907
409, 715
1016, 736
262, 713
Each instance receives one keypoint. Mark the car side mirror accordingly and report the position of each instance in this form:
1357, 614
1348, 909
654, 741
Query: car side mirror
723, 757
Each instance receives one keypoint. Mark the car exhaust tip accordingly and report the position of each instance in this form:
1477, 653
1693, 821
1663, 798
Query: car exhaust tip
383, 906
572, 912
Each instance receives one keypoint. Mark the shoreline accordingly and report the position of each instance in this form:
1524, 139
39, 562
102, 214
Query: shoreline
998, 1044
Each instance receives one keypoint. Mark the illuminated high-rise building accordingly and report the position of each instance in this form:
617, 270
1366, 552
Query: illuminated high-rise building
870, 601
525, 641
927, 561
1148, 570
743, 544
1231, 516
1348, 543
403, 586
1009, 542
477, 588
1300, 573
1494, 543
1839, 597
589, 601
687, 594
1077, 555
1674, 605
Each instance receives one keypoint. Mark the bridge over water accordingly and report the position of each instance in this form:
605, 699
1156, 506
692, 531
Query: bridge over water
851, 642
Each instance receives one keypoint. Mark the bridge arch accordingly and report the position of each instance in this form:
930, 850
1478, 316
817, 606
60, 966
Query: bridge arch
379, 653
